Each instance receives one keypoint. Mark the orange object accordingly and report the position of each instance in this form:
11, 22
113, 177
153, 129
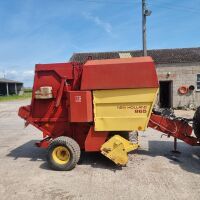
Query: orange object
183, 89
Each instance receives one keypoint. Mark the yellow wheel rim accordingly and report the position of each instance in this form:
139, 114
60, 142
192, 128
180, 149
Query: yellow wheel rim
61, 155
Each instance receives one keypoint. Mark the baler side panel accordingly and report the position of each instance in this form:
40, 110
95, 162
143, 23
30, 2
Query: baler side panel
124, 109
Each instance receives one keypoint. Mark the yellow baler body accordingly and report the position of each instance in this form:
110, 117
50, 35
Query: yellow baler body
123, 109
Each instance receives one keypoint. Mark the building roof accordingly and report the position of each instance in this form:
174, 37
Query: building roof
160, 56
4, 80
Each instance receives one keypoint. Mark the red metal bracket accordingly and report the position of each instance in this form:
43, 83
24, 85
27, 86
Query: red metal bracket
60, 92
43, 143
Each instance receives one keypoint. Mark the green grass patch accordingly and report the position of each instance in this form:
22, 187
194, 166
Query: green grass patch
26, 95
28, 90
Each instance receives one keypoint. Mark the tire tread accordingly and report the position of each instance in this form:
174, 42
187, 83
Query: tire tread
74, 149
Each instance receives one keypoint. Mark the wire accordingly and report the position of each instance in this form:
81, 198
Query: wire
162, 5
172, 7
180, 6
108, 2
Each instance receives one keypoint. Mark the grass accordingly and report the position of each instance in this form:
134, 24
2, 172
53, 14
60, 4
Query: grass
26, 95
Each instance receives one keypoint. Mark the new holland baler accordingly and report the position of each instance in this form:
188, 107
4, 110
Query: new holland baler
93, 106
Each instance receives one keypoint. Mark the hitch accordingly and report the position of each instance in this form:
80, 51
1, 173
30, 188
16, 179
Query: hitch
177, 127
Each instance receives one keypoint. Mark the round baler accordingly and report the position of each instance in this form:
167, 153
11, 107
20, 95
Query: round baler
92, 106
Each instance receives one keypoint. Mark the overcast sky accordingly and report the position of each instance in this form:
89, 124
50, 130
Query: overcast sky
46, 31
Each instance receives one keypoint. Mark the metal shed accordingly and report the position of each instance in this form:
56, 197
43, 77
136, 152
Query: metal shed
9, 87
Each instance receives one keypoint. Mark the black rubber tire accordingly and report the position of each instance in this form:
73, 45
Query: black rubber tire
196, 123
73, 149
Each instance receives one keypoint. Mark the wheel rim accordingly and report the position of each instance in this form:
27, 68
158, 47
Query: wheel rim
61, 155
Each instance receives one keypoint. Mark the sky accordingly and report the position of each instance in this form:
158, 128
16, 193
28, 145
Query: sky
48, 31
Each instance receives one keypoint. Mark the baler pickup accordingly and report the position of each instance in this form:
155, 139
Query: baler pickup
117, 148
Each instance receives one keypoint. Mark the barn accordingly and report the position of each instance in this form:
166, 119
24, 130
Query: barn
9, 87
178, 71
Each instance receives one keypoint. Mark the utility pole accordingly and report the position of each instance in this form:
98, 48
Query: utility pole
145, 13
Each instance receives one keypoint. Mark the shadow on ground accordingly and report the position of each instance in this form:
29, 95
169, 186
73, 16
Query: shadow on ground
28, 150
95, 160
188, 159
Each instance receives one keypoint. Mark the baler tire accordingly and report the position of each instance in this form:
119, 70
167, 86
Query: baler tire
196, 123
73, 149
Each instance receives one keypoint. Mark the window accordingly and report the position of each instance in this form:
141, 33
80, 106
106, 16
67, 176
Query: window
198, 82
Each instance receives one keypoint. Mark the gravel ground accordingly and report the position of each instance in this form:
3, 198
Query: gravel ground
153, 172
